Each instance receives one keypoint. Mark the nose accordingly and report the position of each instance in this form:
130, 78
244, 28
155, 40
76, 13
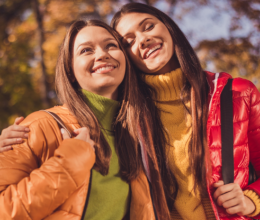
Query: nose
102, 54
143, 40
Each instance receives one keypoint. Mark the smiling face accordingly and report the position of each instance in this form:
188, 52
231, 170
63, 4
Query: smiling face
148, 42
98, 62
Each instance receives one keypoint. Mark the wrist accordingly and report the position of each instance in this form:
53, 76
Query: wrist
252, 202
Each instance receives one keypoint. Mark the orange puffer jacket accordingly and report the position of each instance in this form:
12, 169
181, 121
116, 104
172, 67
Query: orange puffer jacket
48, 178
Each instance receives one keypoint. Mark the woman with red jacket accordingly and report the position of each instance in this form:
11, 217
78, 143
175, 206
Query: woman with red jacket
189, 99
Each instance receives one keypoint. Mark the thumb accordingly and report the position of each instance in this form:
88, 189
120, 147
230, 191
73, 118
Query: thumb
64, 134
18, 120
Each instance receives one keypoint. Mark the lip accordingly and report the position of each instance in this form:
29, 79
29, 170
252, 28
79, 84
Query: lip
103, 65
148, 48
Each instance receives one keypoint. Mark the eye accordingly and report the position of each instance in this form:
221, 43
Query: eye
128, 42
111, 45
85, 50
149, 27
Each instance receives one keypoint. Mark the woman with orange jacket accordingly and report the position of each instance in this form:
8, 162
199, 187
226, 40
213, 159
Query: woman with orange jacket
90, 175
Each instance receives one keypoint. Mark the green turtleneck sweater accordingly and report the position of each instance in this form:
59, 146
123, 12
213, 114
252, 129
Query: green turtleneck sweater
109, 195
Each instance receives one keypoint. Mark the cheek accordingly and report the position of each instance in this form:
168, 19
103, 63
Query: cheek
81, 68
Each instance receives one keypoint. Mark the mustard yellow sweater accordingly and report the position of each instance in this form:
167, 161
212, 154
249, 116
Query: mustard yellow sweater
177, 123
178, 126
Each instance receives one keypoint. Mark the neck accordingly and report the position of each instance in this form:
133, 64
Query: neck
105, 109
111, 95
106, 93
167, 86
172, 65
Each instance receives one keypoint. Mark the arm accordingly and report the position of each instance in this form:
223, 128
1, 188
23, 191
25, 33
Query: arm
254, 137
14, 134
254, 145
29, 192
231, 196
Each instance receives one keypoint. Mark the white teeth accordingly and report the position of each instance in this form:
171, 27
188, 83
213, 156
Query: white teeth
104, 68
152, 50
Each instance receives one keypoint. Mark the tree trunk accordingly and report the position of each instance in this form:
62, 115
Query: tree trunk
44, 88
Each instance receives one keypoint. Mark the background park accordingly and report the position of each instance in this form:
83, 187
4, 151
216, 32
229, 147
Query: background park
224, 33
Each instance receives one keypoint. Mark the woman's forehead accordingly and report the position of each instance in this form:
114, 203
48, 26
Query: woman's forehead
132, 21
93, 34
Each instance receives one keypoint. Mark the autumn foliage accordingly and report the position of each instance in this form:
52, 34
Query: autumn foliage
31, 32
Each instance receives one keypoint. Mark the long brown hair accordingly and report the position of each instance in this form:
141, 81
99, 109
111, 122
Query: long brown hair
135, 120
195, 89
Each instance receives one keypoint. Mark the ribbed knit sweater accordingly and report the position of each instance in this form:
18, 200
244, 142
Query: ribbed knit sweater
109, 195
177, 123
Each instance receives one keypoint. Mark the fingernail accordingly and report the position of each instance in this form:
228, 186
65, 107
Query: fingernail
27, 129
19, 139
62, 130
26, 135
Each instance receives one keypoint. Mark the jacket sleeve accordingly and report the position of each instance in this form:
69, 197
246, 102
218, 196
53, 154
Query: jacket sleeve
254, 137
34, 181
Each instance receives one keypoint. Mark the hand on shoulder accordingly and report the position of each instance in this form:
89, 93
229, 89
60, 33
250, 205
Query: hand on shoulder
14, 134
80, 134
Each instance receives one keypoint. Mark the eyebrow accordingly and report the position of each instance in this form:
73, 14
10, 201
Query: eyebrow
138, 25
90, 43
143, 21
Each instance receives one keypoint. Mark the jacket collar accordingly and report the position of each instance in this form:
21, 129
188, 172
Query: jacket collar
221, 80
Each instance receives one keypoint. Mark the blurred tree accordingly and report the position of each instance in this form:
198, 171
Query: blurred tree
238, 55
32, 31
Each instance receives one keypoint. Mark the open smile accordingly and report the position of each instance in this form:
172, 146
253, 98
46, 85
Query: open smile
151, 51
103, 68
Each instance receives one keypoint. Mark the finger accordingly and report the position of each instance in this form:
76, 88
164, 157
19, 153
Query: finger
7, 148
233, 210
230, 203
92, 144
233, 194
19, 128
64, 134
83, 135
218, 184
18, 120
223, 189
82, 131
78, 130
15, 134
8, 142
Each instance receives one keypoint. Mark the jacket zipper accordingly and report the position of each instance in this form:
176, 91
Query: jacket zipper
150, 188
88, 193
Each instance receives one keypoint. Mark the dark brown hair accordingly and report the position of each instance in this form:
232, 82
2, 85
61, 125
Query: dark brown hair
195, 89
135, 121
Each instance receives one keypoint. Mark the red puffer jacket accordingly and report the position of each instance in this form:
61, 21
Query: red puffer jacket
246, 123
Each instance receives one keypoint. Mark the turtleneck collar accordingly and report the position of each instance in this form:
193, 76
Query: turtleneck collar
168, 86
104, 109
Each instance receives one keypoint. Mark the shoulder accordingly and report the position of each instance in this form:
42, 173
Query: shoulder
45, 136
239, 84
42, 117
243, 85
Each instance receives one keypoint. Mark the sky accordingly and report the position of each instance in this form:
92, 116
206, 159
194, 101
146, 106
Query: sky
206, 22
